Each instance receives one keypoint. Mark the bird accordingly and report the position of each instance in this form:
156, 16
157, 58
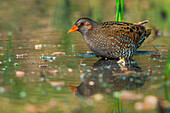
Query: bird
112, 39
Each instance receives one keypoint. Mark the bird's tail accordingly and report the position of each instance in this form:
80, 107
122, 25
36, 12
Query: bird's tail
143, 23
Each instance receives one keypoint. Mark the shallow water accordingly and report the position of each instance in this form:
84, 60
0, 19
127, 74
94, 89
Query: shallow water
24, 25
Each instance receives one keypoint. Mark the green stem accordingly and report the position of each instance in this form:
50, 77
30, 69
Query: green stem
166, 93
122, 4
166, 78
167, 68
117, 11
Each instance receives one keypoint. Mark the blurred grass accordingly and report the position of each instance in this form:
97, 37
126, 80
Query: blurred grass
118, 107
95, 10
8, 59
167, 79
167, 68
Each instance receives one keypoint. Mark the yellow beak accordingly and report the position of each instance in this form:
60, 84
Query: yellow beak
73, 29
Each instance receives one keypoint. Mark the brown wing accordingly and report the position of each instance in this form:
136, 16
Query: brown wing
123, 34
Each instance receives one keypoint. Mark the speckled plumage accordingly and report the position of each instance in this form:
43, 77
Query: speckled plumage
113, 39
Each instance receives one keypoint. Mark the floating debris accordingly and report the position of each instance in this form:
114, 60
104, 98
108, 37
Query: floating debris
53, 72
4, 89
150, 102
16, 65
43, 78
9, 59
43, 66
91, 83
155, 55
81, 71
70, 70
164, 106
21, 56
87, 55
60, 83
59, 53
38, 46
31, 108
48, 58
20, 74
130, 96
139, 106
98, 97
165, 33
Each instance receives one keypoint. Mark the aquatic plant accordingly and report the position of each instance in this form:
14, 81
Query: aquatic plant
117, 108
167, 79
119, 10
8, 56
167, 68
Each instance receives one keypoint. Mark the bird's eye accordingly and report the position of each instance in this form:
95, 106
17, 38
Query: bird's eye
82, 24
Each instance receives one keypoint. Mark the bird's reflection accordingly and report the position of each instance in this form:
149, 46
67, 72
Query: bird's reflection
106, 76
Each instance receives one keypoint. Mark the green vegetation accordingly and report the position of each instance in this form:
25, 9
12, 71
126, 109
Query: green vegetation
167, 79
119, 13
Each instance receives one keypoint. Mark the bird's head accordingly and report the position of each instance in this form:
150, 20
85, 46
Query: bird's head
83, 25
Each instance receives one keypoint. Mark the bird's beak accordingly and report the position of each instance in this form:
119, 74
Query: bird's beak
73, 29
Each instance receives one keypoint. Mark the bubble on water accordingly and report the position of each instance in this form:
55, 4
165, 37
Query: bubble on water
155, 78
158, 66
42, 79
2, 90
100, 75
87, 51
101, 80
131, 79
23, 94
44, 45
10, 33
124, 78
83, 64
91, 83
3, 69
58, 88
117, 94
